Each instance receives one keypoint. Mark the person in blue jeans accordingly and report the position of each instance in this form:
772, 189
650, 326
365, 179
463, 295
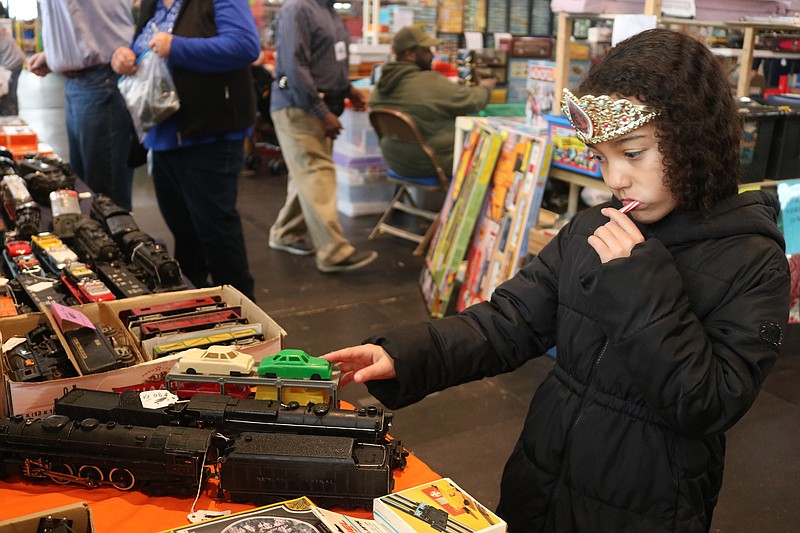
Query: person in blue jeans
78, 43
198, 152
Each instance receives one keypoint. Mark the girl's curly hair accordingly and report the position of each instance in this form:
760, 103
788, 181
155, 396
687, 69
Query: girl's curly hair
699, 128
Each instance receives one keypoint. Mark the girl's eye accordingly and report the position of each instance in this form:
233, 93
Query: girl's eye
633, 155
597, 157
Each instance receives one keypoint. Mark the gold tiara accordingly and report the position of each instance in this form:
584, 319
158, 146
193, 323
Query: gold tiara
599, 118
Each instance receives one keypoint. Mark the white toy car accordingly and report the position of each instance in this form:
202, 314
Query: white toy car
221, 360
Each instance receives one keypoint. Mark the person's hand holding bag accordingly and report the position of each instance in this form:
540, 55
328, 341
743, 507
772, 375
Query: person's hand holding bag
148, 90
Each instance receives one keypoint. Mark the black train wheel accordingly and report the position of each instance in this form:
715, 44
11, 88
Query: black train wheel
122, 478
65, 469
92, 474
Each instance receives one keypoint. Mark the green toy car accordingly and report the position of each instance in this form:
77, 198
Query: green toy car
294, 364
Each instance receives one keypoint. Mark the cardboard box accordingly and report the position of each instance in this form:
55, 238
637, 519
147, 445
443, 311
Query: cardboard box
440, 505
273, 333
36, 399
20, 139
538, 238
78, 516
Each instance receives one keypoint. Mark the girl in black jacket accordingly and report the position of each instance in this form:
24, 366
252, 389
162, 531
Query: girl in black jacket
667, 319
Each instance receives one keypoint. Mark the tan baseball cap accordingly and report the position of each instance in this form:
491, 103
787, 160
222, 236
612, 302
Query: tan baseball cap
411, 36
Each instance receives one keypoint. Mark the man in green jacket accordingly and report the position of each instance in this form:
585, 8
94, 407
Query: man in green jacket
431, 99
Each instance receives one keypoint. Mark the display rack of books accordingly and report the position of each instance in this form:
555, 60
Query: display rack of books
451, 16
510, 209
518, 17
493, 199
497, 16
458, 215
541, 18
475, 15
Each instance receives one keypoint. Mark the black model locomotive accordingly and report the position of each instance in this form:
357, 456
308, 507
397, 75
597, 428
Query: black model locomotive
161, 271
91, 453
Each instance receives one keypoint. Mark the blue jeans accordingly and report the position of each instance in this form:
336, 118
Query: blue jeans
100, 133
196, 188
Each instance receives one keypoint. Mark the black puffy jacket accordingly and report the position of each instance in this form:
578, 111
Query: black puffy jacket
658, 354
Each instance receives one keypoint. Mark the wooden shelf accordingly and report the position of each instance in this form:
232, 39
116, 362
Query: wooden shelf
745, 54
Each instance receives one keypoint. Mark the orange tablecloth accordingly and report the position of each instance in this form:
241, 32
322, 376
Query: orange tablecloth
135, 512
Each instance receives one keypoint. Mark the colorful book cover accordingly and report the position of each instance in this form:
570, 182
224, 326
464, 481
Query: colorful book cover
499, 243
457, 218
541, 88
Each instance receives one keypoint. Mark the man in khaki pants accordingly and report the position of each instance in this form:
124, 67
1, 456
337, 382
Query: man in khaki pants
308, 94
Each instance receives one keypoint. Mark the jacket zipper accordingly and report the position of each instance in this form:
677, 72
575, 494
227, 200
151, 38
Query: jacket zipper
589, 386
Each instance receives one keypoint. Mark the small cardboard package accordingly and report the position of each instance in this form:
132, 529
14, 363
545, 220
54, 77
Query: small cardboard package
440, 505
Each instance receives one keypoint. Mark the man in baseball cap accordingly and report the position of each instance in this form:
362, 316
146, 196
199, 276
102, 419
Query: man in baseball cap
411, 37
433, 101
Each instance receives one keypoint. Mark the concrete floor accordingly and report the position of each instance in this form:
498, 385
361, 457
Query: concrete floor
466, 432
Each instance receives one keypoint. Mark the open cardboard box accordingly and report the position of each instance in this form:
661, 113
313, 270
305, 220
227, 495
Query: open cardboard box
36, 399
77, 515
273, 333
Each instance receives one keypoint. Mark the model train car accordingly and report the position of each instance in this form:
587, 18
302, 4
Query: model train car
63, 450
266, 467
230, 415
22, 212
161, 271
256, 467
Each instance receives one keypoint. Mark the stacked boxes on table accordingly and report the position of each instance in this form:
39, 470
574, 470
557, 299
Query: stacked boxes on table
35, 399
361, 183
17, 136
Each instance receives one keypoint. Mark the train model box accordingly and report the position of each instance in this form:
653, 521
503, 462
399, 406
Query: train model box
436, 506
171, 326
75, 517
33, 396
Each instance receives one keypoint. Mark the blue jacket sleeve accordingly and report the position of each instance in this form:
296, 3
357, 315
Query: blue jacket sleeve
235, 46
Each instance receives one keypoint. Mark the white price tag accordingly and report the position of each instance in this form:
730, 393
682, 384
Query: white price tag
156, 399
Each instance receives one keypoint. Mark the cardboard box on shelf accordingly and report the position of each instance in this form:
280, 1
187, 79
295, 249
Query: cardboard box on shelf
36, 398
440, 505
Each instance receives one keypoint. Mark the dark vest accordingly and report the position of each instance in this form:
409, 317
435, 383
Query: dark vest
211, 103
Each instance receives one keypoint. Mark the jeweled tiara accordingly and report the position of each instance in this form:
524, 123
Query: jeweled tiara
599, 118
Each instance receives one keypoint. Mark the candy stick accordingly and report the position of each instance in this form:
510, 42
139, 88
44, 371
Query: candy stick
629, 207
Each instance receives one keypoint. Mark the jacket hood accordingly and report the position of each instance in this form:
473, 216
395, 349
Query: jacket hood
751, 212
392, 73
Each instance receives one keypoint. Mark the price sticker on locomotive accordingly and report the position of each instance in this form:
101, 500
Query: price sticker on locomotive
156, 399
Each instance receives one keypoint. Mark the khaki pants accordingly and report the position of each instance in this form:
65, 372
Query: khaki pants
311, 193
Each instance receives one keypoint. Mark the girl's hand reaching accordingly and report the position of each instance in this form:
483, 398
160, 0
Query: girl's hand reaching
362, 363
